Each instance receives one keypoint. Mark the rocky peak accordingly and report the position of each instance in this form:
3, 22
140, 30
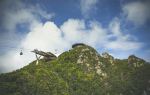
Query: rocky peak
137, 62
108, 56
85, 56
134, 58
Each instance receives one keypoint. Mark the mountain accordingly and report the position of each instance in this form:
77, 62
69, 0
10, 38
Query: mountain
79, 71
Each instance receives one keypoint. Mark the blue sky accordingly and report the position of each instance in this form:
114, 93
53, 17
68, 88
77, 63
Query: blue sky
120, 27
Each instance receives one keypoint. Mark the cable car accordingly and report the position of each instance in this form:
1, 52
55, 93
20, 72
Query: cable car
21, 53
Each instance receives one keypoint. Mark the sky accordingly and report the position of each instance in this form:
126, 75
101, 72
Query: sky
119, 27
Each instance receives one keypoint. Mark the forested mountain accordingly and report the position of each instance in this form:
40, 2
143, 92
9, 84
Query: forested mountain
80, 71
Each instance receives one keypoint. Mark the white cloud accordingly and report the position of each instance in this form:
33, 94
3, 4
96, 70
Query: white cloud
18, 14
48, 37
87, 6
137, 12
75, 30
121, 41
12, 60
123, 45
21, 14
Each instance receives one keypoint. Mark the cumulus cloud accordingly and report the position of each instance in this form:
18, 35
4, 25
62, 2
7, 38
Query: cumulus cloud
121, 41
137, 12
20, 14
75, 30
87, 6
16, 13
12, 60
47, 36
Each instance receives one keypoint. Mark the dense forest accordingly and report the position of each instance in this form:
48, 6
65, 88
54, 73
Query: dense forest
80, 71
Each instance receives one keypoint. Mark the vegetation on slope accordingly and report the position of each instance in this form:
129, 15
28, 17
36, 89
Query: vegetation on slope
79, 71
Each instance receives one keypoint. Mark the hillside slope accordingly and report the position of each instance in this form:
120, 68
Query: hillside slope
80, 71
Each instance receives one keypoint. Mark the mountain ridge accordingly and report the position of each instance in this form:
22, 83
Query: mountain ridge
80, 71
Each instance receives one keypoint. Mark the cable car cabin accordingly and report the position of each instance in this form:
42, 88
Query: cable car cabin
21, 53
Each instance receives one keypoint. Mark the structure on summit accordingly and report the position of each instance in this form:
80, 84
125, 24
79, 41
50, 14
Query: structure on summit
78, 45
47, 56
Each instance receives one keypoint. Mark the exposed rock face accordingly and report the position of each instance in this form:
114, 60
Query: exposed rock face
108, 56
89, 58
135, 61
